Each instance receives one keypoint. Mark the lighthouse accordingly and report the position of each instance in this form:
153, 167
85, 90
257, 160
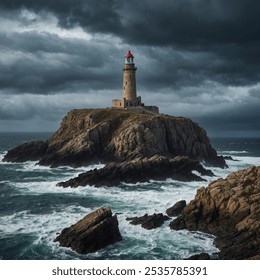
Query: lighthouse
129, 81
130, 100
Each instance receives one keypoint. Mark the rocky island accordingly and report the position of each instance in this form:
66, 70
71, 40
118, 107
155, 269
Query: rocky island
129, 142
139, 145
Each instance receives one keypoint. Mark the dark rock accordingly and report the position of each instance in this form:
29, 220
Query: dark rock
89, 136
228, 208
149, 222
178, 223
140, 170
201, 256
176, 209
230, 158
95, 231
28, 151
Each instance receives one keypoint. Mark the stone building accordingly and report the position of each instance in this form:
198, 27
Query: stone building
130, 99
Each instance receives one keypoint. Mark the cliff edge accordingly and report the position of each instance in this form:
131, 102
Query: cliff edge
89, 136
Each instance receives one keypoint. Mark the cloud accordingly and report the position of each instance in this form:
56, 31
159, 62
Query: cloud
197, 58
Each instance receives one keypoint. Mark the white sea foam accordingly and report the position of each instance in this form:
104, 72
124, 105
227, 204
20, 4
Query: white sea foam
129, 199
2, 154
232, 152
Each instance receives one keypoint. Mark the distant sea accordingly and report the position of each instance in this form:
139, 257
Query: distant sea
33, 210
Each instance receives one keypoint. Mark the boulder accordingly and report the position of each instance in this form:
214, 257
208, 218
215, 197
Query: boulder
95, 231
176, 209
149, 222
140, 170
230, 209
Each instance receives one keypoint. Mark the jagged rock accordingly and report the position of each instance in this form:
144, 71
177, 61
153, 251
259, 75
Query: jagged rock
140, 170
230, 158
149, 222
102, 135
95, 231
28, 151
201, 256
176, 209
230, 209
178, 223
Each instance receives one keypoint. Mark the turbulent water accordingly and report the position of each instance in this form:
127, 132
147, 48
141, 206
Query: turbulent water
33, 210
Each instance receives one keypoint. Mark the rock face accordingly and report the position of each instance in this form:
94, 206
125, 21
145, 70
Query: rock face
102, 135
95, 231
176, 209
28, 151
230, 209
149, 222
140, 170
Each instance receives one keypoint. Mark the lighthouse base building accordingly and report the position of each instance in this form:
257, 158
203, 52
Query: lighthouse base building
130, 100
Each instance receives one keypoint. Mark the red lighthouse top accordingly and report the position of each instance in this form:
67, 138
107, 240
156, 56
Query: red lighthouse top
129, 55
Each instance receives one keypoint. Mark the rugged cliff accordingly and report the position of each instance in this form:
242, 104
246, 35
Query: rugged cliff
103, 135
228, 208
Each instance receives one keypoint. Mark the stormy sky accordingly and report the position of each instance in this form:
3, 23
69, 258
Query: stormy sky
195, 58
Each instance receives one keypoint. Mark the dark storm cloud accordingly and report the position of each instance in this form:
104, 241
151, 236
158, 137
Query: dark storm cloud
244, 117
224, 33
45, 63
97, 16
163, 22
187, 50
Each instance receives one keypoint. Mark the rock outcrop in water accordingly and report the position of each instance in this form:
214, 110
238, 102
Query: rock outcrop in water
149, 221
95, 231
176, 209
89, 136
34, 150
140, 170
230, 209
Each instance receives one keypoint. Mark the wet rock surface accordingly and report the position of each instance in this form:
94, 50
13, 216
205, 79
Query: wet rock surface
230, 209
176, 209
95, 231
201, 256
140, 170
33, 151
149, 221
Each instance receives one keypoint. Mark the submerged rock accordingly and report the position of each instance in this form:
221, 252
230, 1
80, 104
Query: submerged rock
95, 231
140, 170
230, 209
149, 222
89, 136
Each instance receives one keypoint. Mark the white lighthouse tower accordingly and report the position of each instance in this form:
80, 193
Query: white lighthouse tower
130, 98
129, 81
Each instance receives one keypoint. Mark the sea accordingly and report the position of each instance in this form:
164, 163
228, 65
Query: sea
33, 210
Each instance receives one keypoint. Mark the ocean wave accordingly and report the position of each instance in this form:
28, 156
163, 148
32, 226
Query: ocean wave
233, 152
2, 154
